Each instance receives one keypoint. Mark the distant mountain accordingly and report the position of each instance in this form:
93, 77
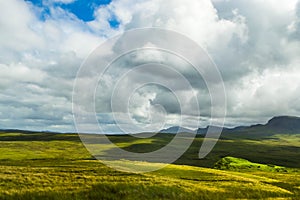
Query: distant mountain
17, 131
177, 129
203, 131
279, 124
284, 124
276, 125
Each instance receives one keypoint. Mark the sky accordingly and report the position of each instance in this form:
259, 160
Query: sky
255, 45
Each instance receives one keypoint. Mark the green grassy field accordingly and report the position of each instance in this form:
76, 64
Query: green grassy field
57, 166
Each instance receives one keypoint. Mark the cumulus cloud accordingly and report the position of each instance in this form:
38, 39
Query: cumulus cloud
255, 45
39, 60
267, 88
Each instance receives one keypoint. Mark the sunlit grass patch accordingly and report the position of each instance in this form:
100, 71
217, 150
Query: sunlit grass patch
232, 163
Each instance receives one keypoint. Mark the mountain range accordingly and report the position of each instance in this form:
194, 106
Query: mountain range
278, 124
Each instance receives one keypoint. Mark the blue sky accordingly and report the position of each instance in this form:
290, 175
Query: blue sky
254, 44
82, 9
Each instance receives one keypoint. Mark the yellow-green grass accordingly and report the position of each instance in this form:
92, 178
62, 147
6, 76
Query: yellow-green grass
54, 166
92, 180
239, 164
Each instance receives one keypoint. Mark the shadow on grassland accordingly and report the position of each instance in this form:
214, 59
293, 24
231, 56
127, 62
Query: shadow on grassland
258, 150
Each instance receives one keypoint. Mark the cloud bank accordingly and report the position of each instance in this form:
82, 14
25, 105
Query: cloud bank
42, 45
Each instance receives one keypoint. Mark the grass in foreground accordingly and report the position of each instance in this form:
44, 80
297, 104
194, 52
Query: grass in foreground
59, 167
92, 180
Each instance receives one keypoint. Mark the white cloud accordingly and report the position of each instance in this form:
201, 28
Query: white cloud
19, 73
197, 19
16, 19
274, 90
63, 1
255, 44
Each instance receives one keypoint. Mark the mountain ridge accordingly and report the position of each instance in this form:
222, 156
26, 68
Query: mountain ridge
277, 124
